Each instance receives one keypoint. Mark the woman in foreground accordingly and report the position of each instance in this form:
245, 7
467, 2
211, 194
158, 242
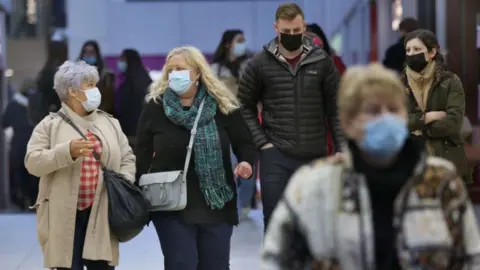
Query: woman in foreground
384, 204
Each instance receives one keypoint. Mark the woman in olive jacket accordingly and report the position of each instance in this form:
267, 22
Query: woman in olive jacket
436, 100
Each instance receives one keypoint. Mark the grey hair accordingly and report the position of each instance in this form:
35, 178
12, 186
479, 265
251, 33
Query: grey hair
71, 75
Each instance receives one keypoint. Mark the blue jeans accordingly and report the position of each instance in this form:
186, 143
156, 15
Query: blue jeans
245, 187
193, 246
246, 190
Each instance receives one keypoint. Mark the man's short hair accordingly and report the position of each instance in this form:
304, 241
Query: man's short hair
288, 11
408, 25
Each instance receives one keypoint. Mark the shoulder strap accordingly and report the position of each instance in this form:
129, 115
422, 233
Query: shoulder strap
69, 121
193, 132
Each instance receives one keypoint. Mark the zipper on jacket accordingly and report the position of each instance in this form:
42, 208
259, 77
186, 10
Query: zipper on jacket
297, 87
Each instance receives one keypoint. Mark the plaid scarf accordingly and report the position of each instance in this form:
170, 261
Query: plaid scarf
207, 148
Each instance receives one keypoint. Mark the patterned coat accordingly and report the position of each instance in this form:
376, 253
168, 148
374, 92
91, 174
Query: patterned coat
325, 218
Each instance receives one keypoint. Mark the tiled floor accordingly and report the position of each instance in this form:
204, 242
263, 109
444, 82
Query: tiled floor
19, 249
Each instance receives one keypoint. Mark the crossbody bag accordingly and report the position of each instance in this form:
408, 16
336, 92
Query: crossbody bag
167, 191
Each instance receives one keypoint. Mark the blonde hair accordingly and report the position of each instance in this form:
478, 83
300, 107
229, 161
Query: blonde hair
226, 100
363, 82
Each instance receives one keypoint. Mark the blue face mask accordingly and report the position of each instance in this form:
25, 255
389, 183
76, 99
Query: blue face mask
384, 136
91, 60
179, 81
239, 49
122, 65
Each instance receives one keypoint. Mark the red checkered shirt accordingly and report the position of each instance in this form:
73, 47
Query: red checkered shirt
89, 175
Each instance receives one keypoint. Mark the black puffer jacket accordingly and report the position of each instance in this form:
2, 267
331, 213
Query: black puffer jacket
296, 102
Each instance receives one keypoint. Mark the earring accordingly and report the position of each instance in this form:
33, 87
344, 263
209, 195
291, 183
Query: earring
196, 83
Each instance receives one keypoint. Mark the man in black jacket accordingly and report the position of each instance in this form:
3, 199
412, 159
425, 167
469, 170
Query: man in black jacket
296, 82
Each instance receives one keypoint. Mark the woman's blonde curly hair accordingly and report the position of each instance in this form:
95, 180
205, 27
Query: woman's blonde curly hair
227, 102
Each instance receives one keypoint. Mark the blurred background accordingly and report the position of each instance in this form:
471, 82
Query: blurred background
359, 31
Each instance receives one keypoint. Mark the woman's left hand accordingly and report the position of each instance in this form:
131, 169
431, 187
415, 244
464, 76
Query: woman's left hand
243, 170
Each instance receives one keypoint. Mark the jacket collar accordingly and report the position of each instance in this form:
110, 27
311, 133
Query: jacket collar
86, 122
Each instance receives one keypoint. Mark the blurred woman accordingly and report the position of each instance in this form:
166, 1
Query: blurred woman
384, 204
198, 237
131, 92
72, 205
90, 53
23, 185
321, 40
47, 100
436, 100
229, 59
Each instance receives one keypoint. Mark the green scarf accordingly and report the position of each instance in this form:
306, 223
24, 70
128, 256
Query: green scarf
207, 148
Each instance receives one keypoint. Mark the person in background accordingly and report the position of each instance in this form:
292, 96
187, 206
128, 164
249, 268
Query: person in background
296, 83
230, 58
321, 40
436, 100
23, 185
384, 204
395, 54
198, 237
131, 92
46, 100
228, 62
72, 205
90, 53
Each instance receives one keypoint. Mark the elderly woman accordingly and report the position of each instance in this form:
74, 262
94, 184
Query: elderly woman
197, 237
384, 204
72, 210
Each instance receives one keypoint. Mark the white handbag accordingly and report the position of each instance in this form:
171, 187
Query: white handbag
167, 191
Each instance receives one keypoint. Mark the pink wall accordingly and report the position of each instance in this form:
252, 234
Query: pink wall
152, 62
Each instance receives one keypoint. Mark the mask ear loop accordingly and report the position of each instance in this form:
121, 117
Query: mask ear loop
76, 98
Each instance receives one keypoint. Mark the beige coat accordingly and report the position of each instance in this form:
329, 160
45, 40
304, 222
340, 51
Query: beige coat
48, 157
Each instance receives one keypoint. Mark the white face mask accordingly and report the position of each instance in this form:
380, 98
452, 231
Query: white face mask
94, 98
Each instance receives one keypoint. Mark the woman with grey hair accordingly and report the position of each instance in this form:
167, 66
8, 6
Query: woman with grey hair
72, 207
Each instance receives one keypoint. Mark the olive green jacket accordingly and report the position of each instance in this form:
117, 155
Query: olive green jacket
444, 136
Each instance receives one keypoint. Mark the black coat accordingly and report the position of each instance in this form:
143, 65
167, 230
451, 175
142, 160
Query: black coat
132, 100
395, 56
16, 117
296, 101
157, 134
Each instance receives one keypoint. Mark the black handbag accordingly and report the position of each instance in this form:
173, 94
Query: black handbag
128, 210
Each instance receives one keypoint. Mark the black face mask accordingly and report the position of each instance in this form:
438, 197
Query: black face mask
291, 42
416, 62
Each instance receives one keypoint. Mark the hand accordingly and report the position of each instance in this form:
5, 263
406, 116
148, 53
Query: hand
266, 146
243, 170
338, 157
434, 116
80, 148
